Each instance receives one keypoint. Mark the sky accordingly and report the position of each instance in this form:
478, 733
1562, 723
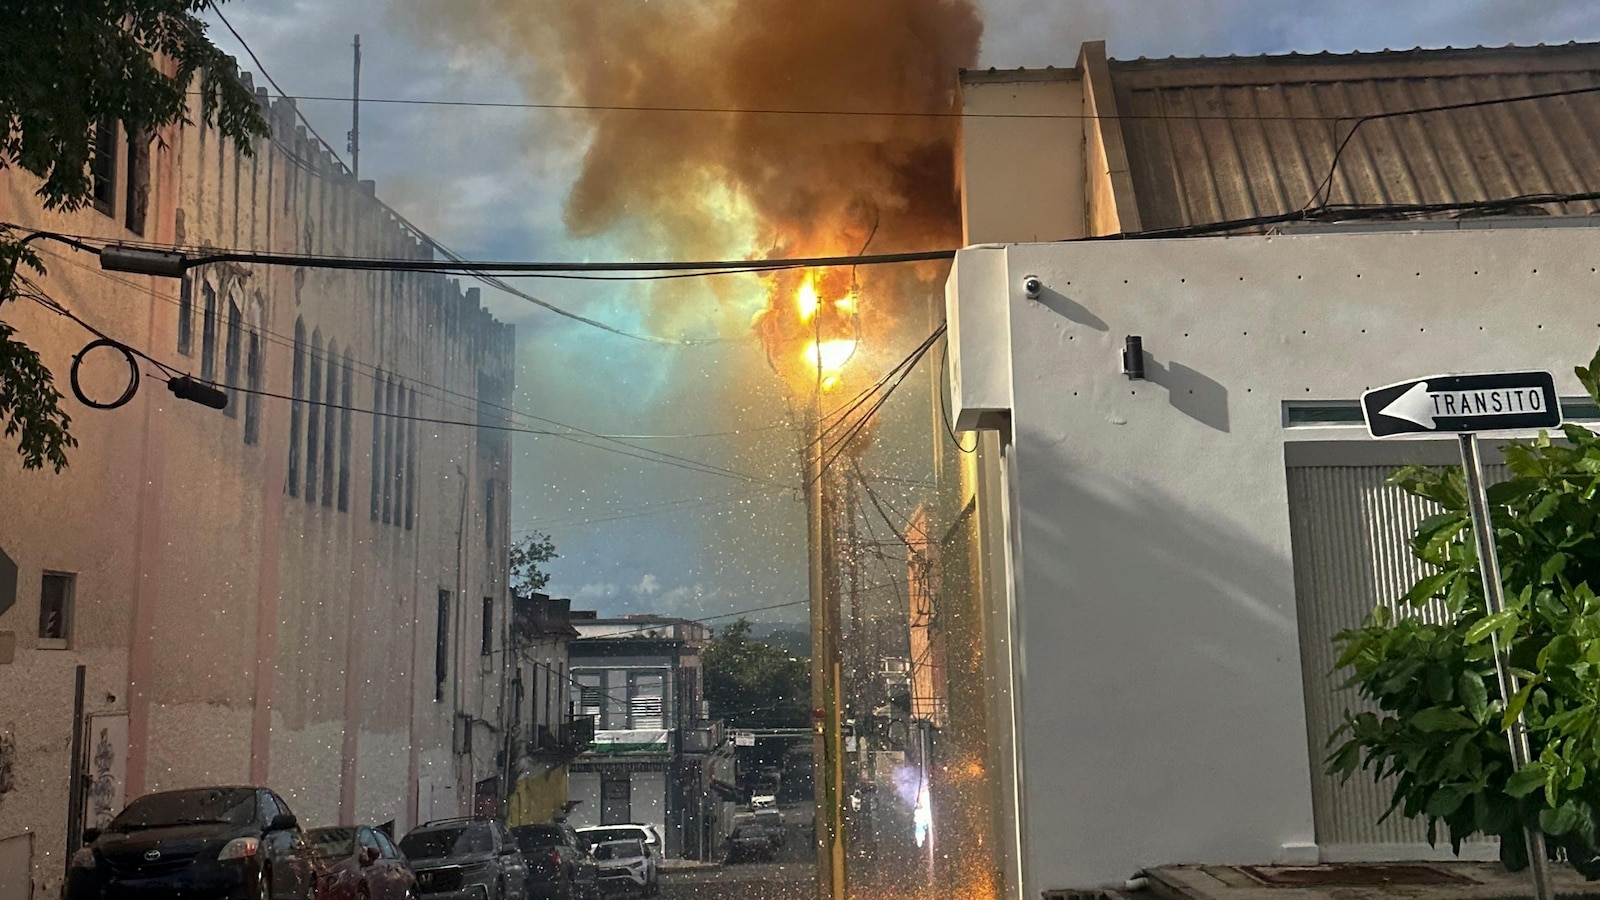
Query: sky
637, 536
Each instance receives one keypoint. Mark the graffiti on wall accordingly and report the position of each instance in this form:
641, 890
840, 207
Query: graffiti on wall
108, 746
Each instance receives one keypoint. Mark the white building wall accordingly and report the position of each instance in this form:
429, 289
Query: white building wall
1156, 639
584, 788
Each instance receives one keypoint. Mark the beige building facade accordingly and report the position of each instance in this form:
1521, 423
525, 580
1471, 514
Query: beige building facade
305, 590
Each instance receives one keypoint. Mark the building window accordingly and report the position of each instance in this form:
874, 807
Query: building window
314, 416
55, 610
488, 517
488, 625
411, 459
644, 700
208, 332
231, 352
296, 407
252, 400
138, 194
441, 647
103, 166
186, 318
376, 460
345, 404
389, 401
589, 696
399, 485
331, 396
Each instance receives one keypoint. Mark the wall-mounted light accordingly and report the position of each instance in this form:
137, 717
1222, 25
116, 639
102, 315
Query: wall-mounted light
1133, 357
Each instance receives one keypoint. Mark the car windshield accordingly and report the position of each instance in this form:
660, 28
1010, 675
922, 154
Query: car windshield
537, 837
457, 840
618, 850
221, 806
332, 841
618, 834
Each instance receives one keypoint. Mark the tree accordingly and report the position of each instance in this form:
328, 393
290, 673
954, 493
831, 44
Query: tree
755, 685
528, 557
66, 67
1441, 728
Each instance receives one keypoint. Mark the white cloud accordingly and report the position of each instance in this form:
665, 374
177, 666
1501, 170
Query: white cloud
590, 593
648, 586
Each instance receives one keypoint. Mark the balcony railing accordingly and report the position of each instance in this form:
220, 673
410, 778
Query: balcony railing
570, 738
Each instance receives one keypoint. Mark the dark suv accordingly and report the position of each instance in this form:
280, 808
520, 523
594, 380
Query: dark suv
559, 864
228, 843
466, 859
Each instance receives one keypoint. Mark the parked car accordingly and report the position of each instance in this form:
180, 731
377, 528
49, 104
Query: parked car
228, 843
359, 863
466, 859
772, 821
624, 867
748, 841
654, 847
560, 866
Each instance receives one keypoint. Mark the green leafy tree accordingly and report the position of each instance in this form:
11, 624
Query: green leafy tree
1441, 726
755, 685
528, 558
64, 67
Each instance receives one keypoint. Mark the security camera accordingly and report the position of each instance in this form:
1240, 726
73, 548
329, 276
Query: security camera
1033, 286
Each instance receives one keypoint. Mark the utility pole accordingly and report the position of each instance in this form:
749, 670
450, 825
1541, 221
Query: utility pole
355, 116
827, 756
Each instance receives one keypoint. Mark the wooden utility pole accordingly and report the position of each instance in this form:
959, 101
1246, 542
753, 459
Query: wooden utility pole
827, 748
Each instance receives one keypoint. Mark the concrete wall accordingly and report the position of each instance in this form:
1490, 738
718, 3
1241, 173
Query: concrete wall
254, 634
1020, 167
1156, 644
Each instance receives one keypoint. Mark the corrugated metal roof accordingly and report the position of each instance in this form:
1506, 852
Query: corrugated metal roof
1221, 139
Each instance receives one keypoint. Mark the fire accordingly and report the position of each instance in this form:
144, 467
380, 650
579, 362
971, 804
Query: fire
811, 328
828, 359
806, 299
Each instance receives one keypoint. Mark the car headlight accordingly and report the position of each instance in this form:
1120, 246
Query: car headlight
240, 848
84, 858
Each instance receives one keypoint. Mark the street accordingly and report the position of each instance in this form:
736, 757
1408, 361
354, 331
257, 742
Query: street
788, 877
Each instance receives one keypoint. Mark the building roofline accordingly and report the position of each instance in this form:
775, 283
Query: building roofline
994, 75
1418, 62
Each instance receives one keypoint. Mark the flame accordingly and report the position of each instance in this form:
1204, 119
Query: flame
806, 298
828, 358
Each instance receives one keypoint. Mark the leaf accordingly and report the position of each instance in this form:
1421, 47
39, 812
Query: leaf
1514, 708
1559, 821
1553, 566
1446, 800
1474, 695
1488, 625
1427, 588
1507, 492
1544, 508
1529, 779
1439, 718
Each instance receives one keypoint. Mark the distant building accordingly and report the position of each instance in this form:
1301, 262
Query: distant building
305, 590
640, 678
543, 734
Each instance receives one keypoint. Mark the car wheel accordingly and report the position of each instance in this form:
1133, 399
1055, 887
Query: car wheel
264, 885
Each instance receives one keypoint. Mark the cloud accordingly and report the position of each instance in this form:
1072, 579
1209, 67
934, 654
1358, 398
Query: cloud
591, 593
648, 586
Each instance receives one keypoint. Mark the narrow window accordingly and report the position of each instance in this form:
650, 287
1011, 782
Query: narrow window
232, 350
406, 401
388, 452
589, 695
252, 400
186, 318
331, 395
488, 625
375, 461
103, 166
138, 194
346, 402
644, 701
55, 610
208, 333
296, 411
314, 416
488, 517
411, 460
441, 647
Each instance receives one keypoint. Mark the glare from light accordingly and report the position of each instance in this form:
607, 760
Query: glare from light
829, 358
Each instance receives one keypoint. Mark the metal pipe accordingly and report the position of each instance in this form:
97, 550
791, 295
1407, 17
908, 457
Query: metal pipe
75, 777
1494, 602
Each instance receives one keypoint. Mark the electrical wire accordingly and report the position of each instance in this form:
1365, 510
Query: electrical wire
944, 409
376, 373
654, 509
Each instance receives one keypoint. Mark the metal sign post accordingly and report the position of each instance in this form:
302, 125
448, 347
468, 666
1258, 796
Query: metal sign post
1464, 405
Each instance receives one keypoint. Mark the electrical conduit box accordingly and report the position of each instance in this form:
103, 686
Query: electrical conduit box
978, 313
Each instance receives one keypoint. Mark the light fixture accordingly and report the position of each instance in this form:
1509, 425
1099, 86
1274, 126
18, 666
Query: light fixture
143, 261
1133, 357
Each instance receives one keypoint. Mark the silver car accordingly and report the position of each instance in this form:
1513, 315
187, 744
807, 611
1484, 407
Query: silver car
624, 867
644, 834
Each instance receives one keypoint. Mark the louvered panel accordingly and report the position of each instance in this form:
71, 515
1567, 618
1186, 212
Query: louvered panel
1351, 535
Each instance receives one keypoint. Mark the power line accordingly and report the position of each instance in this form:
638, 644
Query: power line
374, 372
638, 512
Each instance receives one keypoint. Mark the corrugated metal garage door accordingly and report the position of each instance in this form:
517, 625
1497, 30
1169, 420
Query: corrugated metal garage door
1350, 532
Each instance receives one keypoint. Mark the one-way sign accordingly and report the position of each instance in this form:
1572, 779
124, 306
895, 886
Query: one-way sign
1447, 404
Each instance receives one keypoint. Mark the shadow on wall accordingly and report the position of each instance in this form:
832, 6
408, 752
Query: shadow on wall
1192, 393
1160, 674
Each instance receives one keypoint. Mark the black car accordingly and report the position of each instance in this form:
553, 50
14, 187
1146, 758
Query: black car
466, 859
559, 864
227, 843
